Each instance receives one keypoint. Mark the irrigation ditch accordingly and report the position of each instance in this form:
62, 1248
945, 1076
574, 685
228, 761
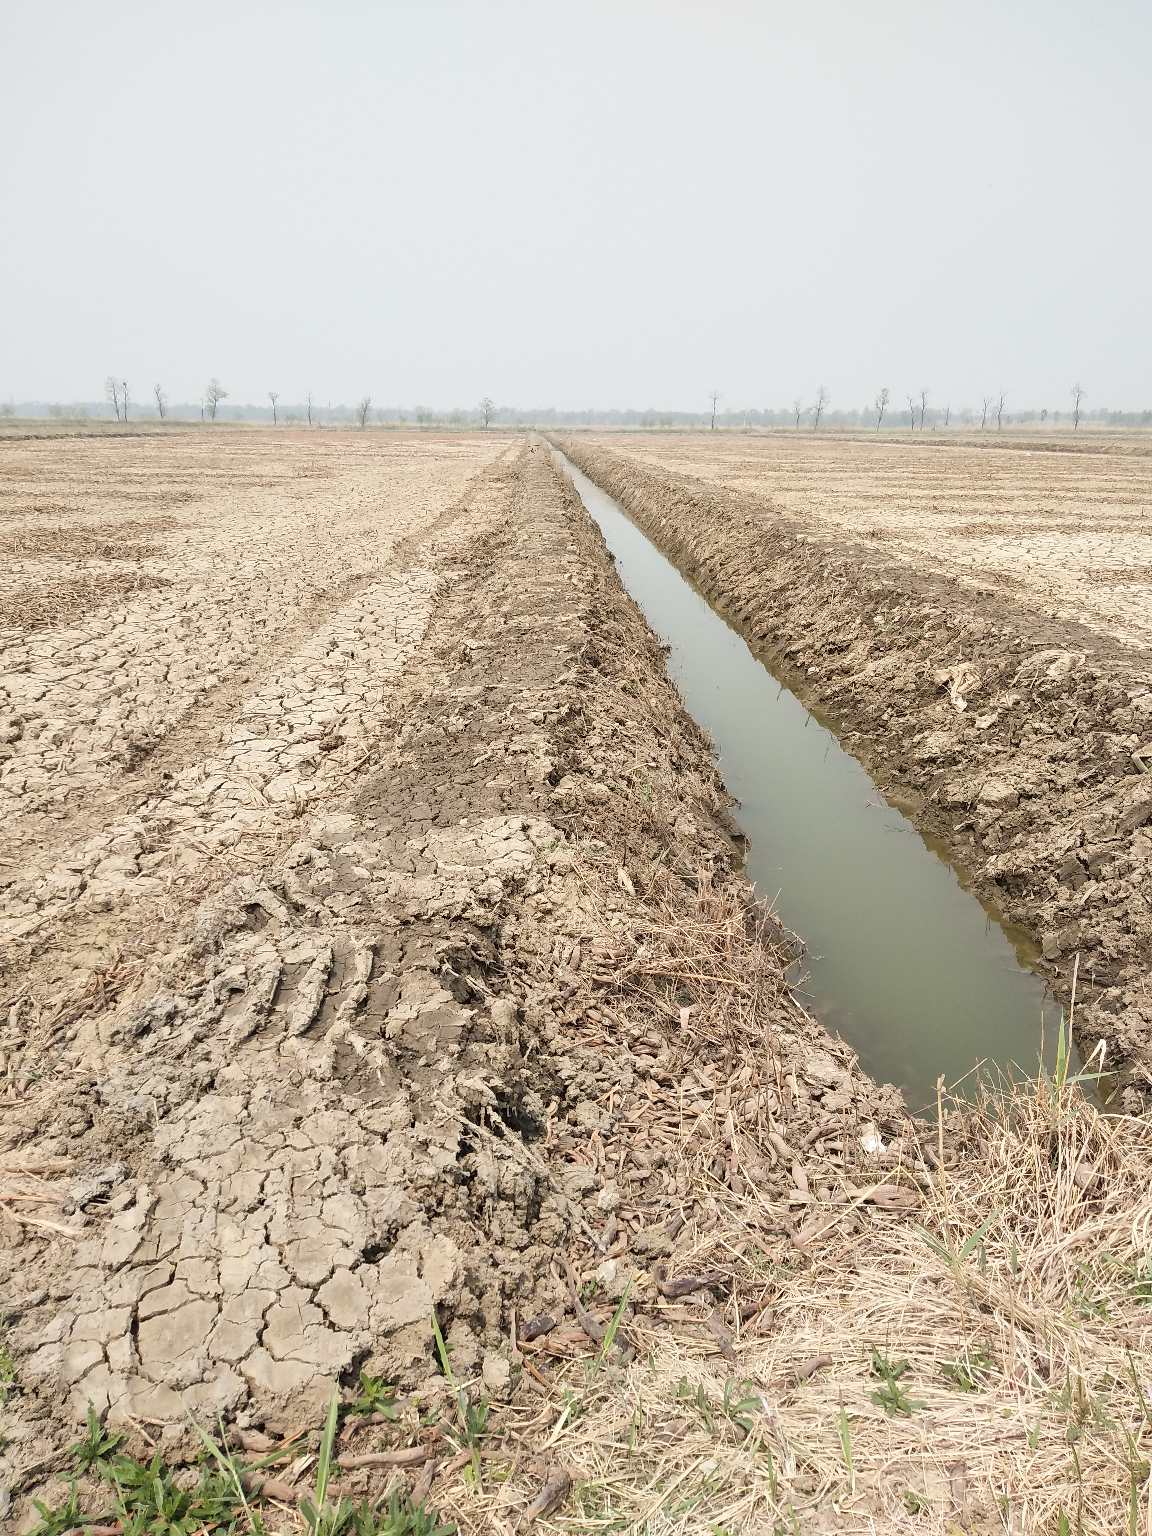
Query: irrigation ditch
1012, 742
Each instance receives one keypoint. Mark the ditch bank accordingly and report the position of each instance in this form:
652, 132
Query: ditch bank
1019, 742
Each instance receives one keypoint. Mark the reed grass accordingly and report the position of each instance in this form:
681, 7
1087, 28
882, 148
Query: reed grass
1024, 1404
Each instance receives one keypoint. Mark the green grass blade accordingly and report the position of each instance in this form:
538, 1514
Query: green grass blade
936, 1247
979, 1234
226, 1464
442, 1350
846, 1447
327, 1441
612, 1327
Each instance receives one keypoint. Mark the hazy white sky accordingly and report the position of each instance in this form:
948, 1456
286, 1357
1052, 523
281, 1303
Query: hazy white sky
578, 204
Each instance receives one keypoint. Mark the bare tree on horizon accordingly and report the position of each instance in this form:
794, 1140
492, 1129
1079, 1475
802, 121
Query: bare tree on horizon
273, 395
713, 395
799, 410
923, 404
881, 405
911, 398
1077, 394
986, 401
161, 400
487, 410
308, 399
1000, 408
362, 410
213, 396
112, 390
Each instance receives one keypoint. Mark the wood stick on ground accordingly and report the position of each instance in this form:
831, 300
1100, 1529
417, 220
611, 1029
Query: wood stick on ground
595, 1331
423, 1484
409, 1456
271, 1488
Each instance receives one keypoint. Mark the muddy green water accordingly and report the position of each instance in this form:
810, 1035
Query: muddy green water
903, 962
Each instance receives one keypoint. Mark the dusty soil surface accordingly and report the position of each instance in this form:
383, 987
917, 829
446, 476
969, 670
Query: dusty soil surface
975, 620
1056, 523
373, 941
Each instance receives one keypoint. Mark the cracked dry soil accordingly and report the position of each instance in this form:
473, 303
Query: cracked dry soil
398, 999
1018, 734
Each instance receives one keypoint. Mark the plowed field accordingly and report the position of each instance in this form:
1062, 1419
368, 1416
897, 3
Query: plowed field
376, 961
1060, 525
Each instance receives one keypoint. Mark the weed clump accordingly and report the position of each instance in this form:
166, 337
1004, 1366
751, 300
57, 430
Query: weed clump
140, 1498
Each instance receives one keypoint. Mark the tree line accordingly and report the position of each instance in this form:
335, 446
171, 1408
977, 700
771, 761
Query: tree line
917, 404
991, 413
119, 392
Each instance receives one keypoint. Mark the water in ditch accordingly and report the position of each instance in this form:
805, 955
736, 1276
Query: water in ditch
903, 962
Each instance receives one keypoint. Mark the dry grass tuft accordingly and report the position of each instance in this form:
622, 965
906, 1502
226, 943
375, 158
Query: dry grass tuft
62, 602
949, 1334
779, 1331
981, 1361
134, 540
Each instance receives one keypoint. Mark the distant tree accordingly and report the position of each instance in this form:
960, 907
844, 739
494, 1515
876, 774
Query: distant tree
911, 399
947, 414
881, 406
362, 411
1000, 408
923, 404
713, 395
112, 390
798, 409
309, 403
1044, 415
124, 397
822, 398
161, 400
985, 401
1077, 396
273, 395
487, 409
213, 396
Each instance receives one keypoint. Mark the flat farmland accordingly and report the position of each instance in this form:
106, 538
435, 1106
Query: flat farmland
376, 957
149, 583
1058, 524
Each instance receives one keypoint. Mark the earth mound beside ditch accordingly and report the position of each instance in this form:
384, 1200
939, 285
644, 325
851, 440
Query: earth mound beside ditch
487, 991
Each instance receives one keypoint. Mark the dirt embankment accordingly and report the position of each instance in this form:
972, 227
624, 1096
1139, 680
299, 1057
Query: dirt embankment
458, 977
1022, 742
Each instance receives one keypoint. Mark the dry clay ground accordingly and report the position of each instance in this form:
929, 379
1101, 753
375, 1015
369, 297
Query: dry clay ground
321, 840
975, 615
374, 943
